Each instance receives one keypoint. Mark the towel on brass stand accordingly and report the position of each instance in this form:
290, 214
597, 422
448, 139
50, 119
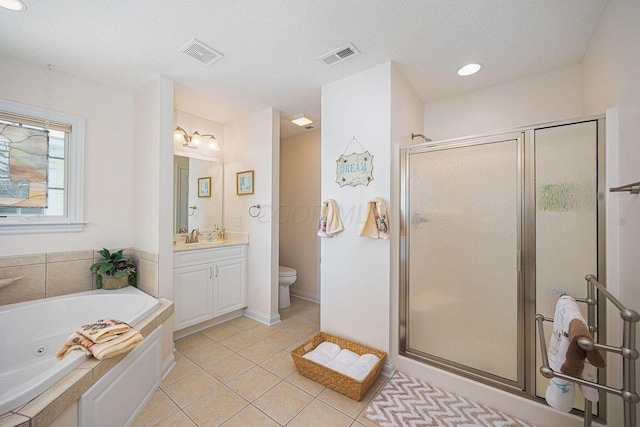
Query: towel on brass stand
575, 360
560, 393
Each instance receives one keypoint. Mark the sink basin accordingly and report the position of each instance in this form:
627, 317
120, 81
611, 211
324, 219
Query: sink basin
181, 246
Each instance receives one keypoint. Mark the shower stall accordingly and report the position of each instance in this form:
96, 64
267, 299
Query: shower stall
494, 230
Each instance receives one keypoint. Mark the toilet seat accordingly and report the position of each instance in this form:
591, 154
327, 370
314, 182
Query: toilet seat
286, 272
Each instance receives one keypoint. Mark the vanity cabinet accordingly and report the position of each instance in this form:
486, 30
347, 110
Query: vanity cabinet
208, 283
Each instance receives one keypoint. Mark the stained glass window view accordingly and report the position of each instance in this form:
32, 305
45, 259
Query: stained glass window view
32, 170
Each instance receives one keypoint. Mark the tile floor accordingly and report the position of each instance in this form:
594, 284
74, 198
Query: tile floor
240, 373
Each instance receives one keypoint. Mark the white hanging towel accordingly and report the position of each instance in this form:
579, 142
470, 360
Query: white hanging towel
376, 223
330, 221
561, 393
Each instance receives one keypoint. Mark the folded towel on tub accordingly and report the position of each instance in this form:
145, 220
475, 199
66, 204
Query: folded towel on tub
119, 344
103, 330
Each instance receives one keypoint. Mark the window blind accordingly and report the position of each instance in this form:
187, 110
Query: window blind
34, 121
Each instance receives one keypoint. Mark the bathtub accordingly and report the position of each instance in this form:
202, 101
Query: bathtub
32, 332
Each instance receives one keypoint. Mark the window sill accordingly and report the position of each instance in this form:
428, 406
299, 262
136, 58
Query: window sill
41, 227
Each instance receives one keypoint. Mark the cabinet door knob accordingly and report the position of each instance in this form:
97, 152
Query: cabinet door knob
210, 272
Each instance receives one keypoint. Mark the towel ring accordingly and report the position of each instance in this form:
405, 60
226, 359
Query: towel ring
255, 211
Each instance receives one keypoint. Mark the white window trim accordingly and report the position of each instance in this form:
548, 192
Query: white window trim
74, 220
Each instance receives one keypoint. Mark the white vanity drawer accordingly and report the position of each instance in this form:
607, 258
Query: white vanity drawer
203, 256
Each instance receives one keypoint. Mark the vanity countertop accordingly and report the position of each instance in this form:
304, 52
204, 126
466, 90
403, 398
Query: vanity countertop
179, 247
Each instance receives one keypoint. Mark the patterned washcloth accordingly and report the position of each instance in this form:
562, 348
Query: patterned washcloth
330, 221
103, 330
376, 224
120, 344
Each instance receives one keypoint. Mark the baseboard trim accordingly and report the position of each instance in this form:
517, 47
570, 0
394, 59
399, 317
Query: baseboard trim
168, 365
388, 368
304, 295
262, 318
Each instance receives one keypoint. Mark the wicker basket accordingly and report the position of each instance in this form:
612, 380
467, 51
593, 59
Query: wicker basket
335, 380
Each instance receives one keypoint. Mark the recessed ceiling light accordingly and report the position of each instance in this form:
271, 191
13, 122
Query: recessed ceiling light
13, 4
469, 69
301, 119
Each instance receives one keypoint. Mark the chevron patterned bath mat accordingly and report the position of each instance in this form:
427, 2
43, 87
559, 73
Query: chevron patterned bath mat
405, 401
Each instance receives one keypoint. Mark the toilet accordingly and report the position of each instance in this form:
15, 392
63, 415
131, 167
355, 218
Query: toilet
286, 279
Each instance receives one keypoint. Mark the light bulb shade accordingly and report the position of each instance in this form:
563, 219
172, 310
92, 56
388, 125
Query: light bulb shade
213, 144
179, 136
196, 139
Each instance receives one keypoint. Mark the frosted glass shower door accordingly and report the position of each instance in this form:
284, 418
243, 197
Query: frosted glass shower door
566, 218
463, 236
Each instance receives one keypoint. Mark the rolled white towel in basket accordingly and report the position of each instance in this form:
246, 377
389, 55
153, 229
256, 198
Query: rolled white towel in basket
324, 353
343, 361
361, 368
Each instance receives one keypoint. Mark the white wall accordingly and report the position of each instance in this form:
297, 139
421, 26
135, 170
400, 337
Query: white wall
252, 143
610, 80
541, 98
380, 109
146, 196
153, 178
108, 189
299, 211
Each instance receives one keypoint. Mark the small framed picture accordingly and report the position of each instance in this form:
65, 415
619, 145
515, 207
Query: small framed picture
244, 182
204, 187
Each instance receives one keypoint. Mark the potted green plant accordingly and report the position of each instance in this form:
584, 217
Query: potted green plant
114, 271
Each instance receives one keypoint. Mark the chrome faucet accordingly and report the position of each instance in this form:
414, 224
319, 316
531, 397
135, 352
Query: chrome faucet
193, 238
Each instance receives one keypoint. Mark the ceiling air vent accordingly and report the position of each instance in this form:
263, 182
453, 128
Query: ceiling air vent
201, 52
340, 54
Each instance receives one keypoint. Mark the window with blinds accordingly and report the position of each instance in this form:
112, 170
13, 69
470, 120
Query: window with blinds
41, 169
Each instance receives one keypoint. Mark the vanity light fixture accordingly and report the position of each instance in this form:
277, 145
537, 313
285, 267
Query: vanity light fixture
16, 5
301, 119
469, 69
193, 141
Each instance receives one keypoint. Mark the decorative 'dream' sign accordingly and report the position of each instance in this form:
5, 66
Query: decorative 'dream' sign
354, 169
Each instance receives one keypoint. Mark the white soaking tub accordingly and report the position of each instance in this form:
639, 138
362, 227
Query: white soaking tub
32, 332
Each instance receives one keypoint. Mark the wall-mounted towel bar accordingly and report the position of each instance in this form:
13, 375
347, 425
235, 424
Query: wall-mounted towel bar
631, 188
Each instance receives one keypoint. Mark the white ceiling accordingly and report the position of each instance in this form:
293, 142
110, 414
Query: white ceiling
272, 47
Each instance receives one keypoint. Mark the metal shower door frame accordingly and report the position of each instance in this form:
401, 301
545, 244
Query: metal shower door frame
527, 369
405, 153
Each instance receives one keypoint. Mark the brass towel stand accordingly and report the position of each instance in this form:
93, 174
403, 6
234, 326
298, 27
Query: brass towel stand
627, 350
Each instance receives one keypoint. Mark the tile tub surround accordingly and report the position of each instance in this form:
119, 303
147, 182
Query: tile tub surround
60, 273
44, 409
240, 373
146, 271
